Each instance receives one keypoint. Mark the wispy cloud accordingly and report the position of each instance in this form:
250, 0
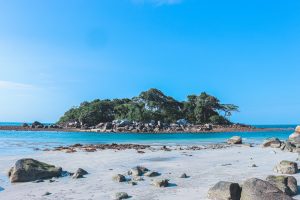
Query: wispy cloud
158, 2
8, 85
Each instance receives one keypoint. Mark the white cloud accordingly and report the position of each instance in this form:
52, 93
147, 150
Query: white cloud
8, 85
158, 2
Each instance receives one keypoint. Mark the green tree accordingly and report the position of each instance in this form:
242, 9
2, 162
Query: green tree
151, 105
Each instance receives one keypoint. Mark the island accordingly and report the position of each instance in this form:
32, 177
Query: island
150, 112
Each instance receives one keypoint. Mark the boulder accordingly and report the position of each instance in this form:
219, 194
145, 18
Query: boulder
79, 173
257, 189
108, 125
161, 183
208, 127
25, 125
119, 178
135, 172
287, 184
37, 124
286, 167
224, 191
272, 142
182, 122
28, 169
297, 129
120, 196
121, 123
100, 125
289, 146
296, 134
235, 140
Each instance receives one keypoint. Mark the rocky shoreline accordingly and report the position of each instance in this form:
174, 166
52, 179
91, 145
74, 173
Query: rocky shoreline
144, 129
139, 148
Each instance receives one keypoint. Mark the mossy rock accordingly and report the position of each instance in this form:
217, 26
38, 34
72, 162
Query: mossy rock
28, 169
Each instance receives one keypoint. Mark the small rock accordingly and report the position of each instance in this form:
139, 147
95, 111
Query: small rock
137, 178
137, 171
79, 173
183, 175
235, 140
289, 147
286, 167
161, 183
227, 164
152, 174
47, 193
38, 181
224, 191
132, 183
120, 196
119, 178
287, 184
272, 142
254, 165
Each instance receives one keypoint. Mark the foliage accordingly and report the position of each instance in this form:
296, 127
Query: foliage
152, 105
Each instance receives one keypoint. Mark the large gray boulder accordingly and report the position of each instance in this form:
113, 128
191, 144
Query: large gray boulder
224, 191
272, 142
235, 140
28, 169
257, 189
287, 184
286, 167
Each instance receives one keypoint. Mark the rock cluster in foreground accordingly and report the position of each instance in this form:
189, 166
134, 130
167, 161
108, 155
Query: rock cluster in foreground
252, 189
137, 173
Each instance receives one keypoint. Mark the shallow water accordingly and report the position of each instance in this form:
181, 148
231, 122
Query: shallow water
25, 142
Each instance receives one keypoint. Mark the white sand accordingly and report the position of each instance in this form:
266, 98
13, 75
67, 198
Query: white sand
204, 168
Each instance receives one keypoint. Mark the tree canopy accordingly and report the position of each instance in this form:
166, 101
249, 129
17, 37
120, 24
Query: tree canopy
152, 105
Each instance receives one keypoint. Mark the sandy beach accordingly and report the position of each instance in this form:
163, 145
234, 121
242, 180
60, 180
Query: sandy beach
204, 168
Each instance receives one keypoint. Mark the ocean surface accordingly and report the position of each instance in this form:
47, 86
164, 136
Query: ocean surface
25, 142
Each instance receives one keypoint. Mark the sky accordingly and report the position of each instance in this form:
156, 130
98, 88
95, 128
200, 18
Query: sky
55, 54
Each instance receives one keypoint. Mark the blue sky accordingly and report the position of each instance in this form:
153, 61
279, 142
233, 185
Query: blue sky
56, 54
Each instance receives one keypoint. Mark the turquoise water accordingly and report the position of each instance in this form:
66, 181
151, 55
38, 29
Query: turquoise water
24, 142
18, 123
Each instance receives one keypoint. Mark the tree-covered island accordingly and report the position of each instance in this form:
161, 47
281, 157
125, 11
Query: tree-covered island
151, 106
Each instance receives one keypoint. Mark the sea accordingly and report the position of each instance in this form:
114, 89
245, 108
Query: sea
27, 142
